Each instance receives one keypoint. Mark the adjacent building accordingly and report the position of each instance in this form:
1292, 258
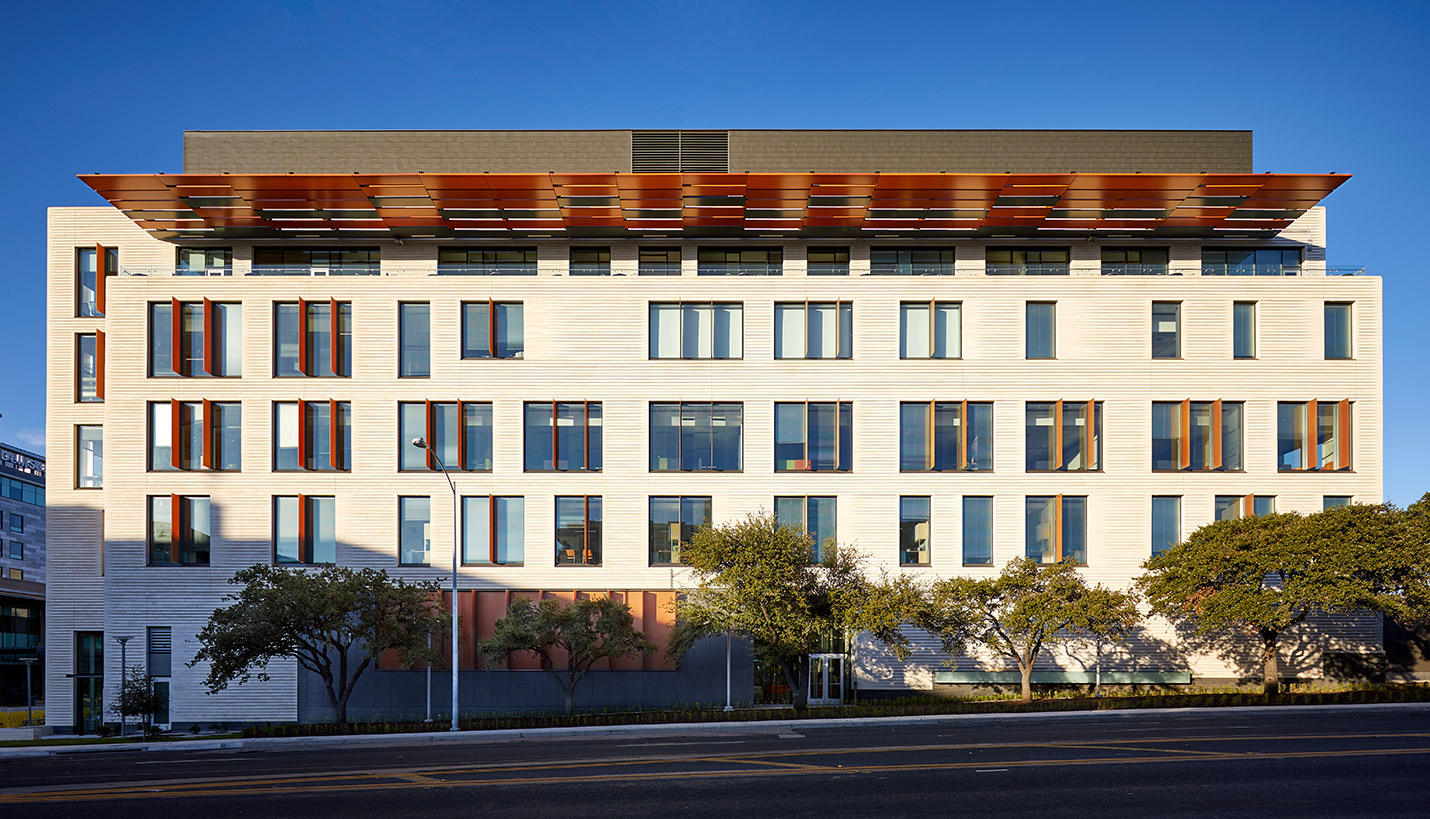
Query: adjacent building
947, 348
22, 573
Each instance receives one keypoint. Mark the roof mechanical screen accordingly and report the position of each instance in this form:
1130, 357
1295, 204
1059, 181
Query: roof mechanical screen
680, 151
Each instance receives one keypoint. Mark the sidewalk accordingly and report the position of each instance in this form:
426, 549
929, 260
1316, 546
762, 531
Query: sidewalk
670, 730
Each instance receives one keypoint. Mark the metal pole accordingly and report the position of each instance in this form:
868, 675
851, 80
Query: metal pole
123, 671
421, 443
728, 706
429, 684
29, 698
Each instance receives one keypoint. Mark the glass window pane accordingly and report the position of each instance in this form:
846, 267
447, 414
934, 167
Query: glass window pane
948, 331
913, 437
696, 450
193, 339
287, 337
1040, 535
789, 511
1243, 323
1077, 441
947, 432
1166, 324
820, 518
664, 437
1041, 329
161, 341
980, 436
285, 436
823, 437
1264, 505
1040, 434
846, 436
914, 329
594, 441
697, 331
415, 346
789, 437
789, 331
1166, 523
913, 531
1166, 435
729, 331
1231, 437
823, 331
511, 531
88, 367
1338, 331
664, 529
320, 340
161, 436
665, 331
511, 330
1335, 501
446, 432
323, 522
476, 530
978, 531
1075, 530
411, 424
286, 547
319, 435
91, 456
476, 329
538, 437
477, 427
228, 336
1291, 436
414, 523
86, 269
726, 422
1227, 507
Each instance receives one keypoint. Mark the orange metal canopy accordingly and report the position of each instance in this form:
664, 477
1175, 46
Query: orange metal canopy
500, 205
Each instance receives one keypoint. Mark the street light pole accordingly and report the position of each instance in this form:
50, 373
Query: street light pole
728, 706
123, 671
421, 443
29, 699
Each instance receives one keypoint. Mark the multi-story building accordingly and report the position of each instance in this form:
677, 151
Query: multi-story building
946, 348
22, 573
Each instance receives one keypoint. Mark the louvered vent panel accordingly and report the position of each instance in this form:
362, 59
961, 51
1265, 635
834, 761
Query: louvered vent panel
655, 151
707, 151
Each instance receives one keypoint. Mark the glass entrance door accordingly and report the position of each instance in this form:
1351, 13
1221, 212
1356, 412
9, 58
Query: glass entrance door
826, 679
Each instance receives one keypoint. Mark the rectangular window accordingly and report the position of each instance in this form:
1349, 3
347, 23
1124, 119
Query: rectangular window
1338, 330
739, 261
205, 340
415, 347
22, 491
1041, 326
490, 261
1251, 262
204, 261
1056, 529
815, 516
1243, 329
945, 436
913, 531
658, 261
578, 530
414, 531
1200, 436
911, 261
673, 522
1231, 507
90, 357
1335, 501
493, 531
696, 437
187, 435
828, 261
312, 435
977, 531
493, 329
459, 431
89, 446
563, 436
1166, 329
17, 550
325, 261
1063, 436
1314, 435
1026, 261
17, 523
312, 339
697, 330
814, 437
814, 329
178, 530
93, 265
931, 329
590, 261
1134, 261
1166, 523
160, 645
304, 529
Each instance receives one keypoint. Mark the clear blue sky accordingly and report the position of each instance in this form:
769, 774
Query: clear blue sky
111, 87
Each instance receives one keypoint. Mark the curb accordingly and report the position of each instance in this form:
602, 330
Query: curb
672, 729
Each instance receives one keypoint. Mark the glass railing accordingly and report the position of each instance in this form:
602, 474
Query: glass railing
906, 269
314, 270
1250, 269
828, 269
1027, 269
1138, 269
511, 269
590, 269
719, 269
180, 270
658, 269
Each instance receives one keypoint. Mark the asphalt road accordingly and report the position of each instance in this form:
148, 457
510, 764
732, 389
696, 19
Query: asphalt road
1288, 763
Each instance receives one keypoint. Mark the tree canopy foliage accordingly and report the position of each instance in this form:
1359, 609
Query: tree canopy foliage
568, 637
1025, 609
334, 622
759, 580
1265, 574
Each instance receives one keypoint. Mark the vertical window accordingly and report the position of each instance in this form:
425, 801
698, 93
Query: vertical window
178, 530
312, 435
1166, 523
697, 330
195, 339
312, 339
17, 523
814, 437
658, 261
493, 329
913, 531
17, 550
696, 437
1315, 435
493, 531
160, 648
739, 261
673, 522
1063, 436
945, 436
1134, 261
1338, 330
92, 266
1200, 436
91, 369
414, 528
578, 530
1026, 261
304, 529
977, 531
1231, 507
1166, 329
1056, 529
1243, 329
815, 516
590, 261
1041, 329
814, 330
931, 329
911, 261
89, 445
415, 347
563, 436
828, 261
1335, 501
459, 431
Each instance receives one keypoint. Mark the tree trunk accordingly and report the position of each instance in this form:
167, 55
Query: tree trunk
1027, 672
570, 694
798, 683
1270, 668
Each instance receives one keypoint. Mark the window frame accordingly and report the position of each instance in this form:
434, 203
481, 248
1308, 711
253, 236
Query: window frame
652, 553
1057, 436
488, 261
307, 536
496, 535
1348, 330
934, 307
1060, 526
1251, 330
464, 431
338, 334
95, 342
931, 428
1310, 436
593, 557
1176, 523
1039, 267
409, 314
499, 314
908, 516
181, 514
991, 532
772, 265
679, 407
339, 436
206, 416
658, 267
808, 511
840, 434
843, 321
554, 417
913, 260
402, 533
601, 266
1175, 333
96, 477
680, 308
1217, 410
1028, 307
834, 267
